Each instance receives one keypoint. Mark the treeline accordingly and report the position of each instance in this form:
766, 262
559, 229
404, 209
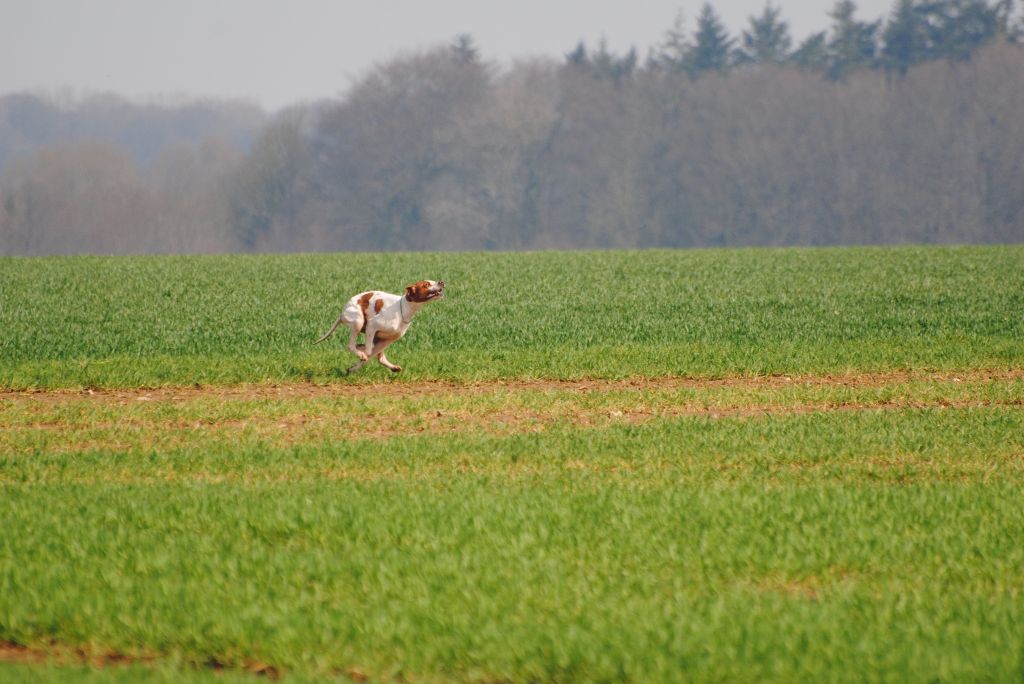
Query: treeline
105, 175
902, 130
29, 122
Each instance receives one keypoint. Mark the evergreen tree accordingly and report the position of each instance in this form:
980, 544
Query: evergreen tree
578, 56
607, 65
712, 45
905, 39
767, 40
963, 26
625, 65
812, 55
921, 30
463, 49
1005, 10
853, 43
673, 53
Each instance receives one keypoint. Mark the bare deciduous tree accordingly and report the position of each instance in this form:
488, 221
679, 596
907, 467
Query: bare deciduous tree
442, 150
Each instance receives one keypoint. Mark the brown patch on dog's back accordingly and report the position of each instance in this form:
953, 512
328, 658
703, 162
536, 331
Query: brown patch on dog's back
364, 304
378, 305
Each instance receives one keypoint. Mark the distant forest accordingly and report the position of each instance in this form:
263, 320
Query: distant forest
904, 129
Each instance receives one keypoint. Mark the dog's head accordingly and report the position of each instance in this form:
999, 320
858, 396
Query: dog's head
425, 291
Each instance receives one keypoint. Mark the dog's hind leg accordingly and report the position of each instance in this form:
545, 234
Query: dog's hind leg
357, 350
378, 351
353, 347
387, 364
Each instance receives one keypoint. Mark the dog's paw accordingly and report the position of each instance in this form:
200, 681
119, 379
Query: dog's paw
396, 369
362, 356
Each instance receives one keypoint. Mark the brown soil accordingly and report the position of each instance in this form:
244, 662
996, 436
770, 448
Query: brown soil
397, 388
59, 654
310, 423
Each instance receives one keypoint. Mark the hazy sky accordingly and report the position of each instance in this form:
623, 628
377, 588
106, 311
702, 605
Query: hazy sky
279, 53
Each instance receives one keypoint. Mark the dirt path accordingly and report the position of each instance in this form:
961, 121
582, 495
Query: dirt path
398, 388
61, 654
168, 418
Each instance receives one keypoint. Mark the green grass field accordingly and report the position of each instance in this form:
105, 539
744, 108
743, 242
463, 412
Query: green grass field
100, 322
752, 465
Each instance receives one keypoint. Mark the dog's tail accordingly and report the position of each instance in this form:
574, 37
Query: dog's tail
333, 328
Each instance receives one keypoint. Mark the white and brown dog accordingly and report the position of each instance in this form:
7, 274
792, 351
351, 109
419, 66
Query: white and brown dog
383, 318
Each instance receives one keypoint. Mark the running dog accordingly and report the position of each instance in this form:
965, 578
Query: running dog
383, 318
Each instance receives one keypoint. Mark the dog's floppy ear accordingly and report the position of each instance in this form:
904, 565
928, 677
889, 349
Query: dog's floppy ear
408, 293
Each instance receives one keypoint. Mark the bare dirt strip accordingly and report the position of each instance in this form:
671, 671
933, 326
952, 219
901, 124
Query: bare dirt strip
59, 654
306, 413
397, 388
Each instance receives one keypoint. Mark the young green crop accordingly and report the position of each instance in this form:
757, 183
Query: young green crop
110, 322
871, 545
856, 521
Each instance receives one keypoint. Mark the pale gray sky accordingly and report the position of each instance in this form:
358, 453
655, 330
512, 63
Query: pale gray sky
283, 52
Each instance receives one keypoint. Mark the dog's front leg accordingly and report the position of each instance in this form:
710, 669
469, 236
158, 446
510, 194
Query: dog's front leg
378, 351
